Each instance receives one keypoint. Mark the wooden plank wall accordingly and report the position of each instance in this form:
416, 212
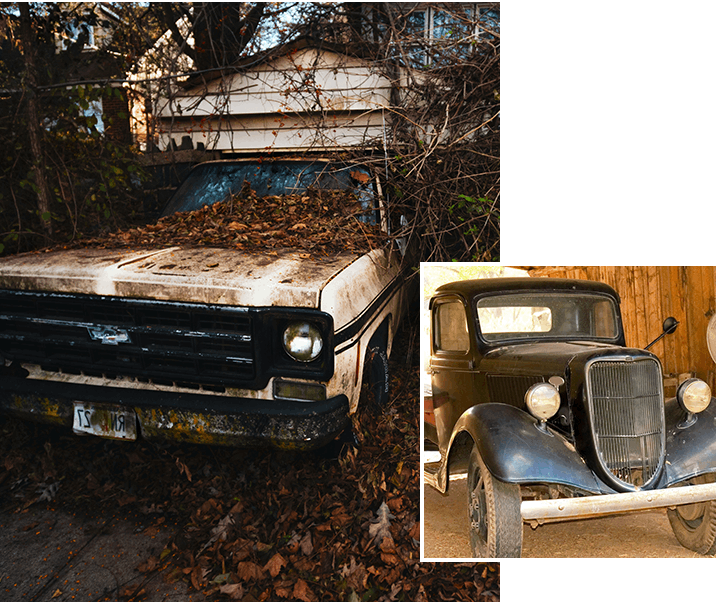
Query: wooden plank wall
650, 294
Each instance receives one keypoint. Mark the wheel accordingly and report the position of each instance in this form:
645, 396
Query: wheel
495, 519
374, 394
695, 525
376, 373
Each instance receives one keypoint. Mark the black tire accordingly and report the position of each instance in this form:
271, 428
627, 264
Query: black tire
495, 519
695, 525
377, 376
373, 397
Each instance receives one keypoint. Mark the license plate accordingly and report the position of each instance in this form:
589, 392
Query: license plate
104, 420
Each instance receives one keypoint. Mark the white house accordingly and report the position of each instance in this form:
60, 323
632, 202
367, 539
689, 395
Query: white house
303, 97
307, 95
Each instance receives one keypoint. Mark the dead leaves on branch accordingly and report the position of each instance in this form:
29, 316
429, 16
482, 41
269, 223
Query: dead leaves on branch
324, 222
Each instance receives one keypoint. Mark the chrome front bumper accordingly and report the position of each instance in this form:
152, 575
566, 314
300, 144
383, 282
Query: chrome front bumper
541, 511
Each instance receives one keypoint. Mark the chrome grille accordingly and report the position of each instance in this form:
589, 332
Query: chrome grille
626, 409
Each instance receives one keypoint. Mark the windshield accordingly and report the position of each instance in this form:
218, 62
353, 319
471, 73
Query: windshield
549, 315
211, 183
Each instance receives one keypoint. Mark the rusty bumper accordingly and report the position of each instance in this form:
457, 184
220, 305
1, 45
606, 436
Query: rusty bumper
187, 417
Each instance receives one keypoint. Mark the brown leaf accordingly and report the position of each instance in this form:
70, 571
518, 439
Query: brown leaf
340, 518
273, 223
355, 574
132, 592
388, 551
414, 531
235, 591
304, 564
283, 588
387, 545
275, 564
126, 499
360, 176
306, 544
293, 545
248, 571
241, 548
183, 469
197, 577
223, 527
302, 592
149, 565
380, 529
395, 504
421, 595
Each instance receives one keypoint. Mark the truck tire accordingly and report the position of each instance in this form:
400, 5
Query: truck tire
376, 373
495, 519
695, 525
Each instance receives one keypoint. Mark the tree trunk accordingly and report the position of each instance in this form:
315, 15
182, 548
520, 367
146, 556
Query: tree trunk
33, 121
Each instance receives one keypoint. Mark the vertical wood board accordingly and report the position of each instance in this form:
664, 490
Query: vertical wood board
651, 294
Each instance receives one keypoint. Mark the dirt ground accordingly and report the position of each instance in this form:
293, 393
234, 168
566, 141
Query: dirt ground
57, 554
634, 535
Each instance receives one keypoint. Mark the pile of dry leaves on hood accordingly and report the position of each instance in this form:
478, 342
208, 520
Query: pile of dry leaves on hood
324, 222
260, 525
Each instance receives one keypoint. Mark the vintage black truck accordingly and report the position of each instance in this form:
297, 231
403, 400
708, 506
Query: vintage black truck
205, 344
536, 397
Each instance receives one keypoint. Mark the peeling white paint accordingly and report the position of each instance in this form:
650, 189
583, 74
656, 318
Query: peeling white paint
207, 275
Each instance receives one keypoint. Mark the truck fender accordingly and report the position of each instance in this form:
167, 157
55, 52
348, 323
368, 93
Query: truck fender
691, 446
516, 450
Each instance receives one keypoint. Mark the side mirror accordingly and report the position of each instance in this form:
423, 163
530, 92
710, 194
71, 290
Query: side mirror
668, 327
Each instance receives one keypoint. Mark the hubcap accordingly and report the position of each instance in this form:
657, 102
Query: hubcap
478, 511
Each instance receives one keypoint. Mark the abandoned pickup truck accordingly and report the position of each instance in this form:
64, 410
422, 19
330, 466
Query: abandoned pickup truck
536, 398
203, 344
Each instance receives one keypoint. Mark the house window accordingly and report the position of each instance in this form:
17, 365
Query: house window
72, 31
432, 31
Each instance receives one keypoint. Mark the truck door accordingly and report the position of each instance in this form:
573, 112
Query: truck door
451, 364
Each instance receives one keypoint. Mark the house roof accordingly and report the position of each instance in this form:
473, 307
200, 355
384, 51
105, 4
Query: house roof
247, 62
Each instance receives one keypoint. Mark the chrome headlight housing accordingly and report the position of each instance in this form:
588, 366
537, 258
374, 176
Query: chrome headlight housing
302, 341
542, 401
694, 395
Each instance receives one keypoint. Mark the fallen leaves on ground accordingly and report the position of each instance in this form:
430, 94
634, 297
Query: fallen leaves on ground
259, 525
321, 222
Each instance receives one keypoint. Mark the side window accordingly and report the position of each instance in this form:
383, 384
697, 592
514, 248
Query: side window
450, 326
604, 320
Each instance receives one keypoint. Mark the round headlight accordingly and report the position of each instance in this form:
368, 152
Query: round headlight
542, 400
302, 341
694, 395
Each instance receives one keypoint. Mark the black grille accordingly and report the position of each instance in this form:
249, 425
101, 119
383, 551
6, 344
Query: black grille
168, 343
627, 414
511, 389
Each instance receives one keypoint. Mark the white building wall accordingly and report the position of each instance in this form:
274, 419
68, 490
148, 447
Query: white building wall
305, 100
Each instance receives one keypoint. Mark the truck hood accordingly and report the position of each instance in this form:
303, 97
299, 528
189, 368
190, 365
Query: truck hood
543, 358
206, 275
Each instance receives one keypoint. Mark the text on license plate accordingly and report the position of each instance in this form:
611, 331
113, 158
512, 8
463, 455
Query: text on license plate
104, 420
